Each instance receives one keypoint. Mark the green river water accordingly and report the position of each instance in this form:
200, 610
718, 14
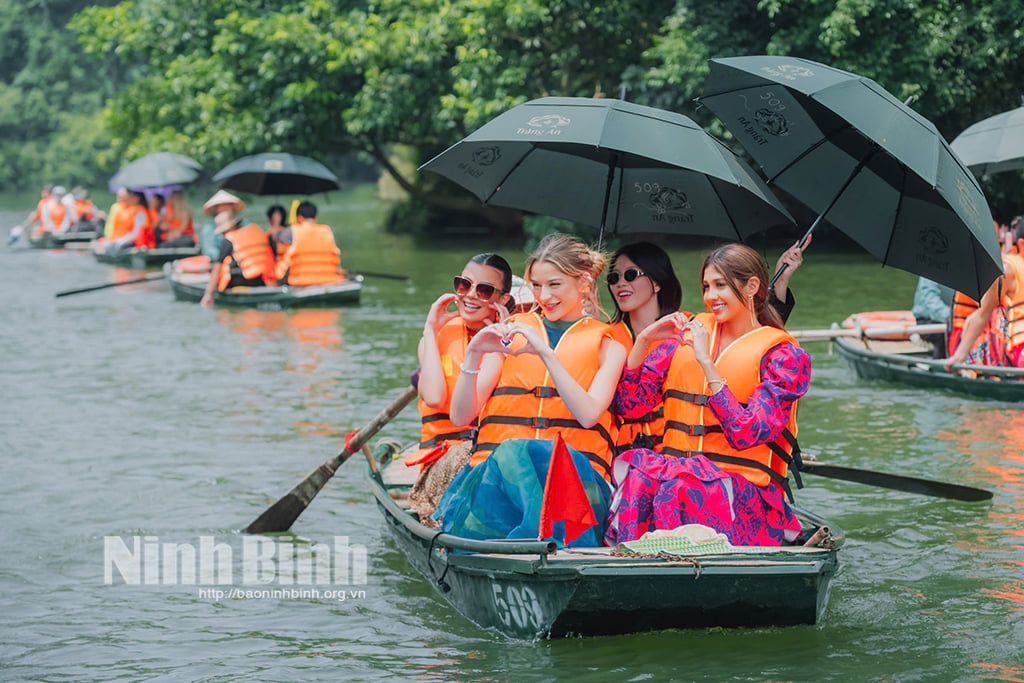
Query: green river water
127, 414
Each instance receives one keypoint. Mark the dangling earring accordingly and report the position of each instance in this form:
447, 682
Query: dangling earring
750, 307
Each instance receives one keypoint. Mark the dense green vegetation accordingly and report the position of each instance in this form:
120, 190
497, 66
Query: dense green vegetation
222, 78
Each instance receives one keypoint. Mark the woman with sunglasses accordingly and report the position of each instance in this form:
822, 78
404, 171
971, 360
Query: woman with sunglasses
480, 294
644, 287
549, 371
729, 380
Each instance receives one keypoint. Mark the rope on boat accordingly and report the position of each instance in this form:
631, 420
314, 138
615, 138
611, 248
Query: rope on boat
661, 555
442, 584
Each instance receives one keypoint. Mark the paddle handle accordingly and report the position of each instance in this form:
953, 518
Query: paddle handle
375, 425
80, 290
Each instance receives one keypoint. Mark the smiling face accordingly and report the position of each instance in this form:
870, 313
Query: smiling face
474, 309
721, 299
639, 295
557, 294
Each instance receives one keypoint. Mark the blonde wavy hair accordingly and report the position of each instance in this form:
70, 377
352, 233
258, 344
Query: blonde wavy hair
574, 258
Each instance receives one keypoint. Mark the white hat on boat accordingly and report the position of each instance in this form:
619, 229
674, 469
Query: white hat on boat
221, 200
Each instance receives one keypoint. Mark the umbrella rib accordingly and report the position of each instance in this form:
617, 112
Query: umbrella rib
807, 151
899, 207
505, 177
725, 206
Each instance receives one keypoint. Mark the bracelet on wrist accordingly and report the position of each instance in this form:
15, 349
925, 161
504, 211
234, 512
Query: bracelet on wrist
468, 371
720, 382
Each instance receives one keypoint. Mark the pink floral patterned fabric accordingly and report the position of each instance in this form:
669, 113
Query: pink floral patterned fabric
653, 491
659, 492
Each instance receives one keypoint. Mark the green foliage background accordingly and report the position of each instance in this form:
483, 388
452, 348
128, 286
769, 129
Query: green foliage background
86, 86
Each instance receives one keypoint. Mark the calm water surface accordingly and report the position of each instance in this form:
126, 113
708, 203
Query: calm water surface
128, 414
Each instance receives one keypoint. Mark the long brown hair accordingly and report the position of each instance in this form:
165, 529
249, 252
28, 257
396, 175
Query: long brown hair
738, 263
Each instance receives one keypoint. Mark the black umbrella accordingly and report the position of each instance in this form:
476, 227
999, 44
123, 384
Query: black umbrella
993, 145
614, 165
277, 173
864, 161
157, 170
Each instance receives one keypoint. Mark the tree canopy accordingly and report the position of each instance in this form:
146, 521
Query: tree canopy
224, 78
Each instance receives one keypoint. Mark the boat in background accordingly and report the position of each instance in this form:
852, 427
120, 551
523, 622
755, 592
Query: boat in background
529, 589
59, 240
141, 259
907, 361
188, 278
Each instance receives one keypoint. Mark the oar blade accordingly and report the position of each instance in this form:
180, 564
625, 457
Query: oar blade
281, 515
897, 482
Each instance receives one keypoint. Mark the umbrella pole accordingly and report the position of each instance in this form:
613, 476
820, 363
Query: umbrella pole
807, 235
607, 197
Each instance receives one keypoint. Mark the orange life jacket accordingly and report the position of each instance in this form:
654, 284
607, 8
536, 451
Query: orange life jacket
437, 425
525, 403
963, 306
57, 212
124, 223
691, 427
312, 259
174, 222
650, 424
250, 249
1011, 309
85, 209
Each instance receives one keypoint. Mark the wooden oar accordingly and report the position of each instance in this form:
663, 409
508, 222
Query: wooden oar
281, 515
873, 332
927, 487
386, 276
69, 292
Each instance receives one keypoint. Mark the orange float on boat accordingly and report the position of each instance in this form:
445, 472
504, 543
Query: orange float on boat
874, 319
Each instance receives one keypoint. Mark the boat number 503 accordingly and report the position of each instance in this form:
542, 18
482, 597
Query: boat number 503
517, 605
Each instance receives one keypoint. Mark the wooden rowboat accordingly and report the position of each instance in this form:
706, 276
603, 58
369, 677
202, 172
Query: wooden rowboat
529, 589
59, 240
190, 286
907, 362
141, 259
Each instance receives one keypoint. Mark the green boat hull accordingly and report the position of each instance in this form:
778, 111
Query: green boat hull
141, 259
190, 287
918, 369
522, 591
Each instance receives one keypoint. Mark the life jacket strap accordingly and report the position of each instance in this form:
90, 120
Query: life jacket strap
696, 399
539, 392
461, 435
645, 418
693, 430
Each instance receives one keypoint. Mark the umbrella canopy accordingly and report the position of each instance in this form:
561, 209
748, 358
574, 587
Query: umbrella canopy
993, 145
614, 165
277, 173
159, 169
864, 161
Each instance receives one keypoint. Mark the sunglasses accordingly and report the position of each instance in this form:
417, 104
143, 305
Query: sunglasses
484, 291
629, 274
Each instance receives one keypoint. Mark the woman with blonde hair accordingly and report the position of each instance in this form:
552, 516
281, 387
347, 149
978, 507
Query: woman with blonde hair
729, 379
180, 226
551, 370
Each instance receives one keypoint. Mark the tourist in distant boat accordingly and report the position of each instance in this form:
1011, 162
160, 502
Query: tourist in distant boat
209, 239
481, 293
277, 225
88, 217
132, 227
54, 215
120, 202
312, 257
729, 380
244, 260
933, 304
70, 210
993, 334
179, 227
157, 216
34, 221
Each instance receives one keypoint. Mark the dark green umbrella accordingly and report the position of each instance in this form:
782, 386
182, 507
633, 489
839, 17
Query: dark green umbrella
157, 170
993, 145
614, 165
864, 161
276, 173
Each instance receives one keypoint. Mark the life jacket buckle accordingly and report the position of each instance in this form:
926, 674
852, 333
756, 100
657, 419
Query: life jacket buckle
540, 422
545, 392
